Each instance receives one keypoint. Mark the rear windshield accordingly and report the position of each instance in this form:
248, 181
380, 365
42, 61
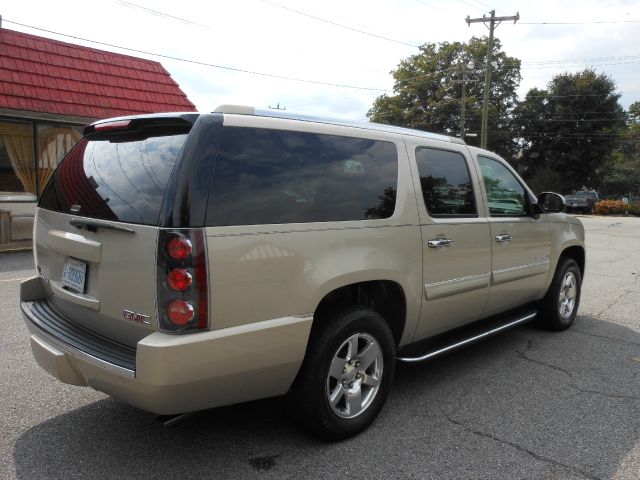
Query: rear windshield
114, 180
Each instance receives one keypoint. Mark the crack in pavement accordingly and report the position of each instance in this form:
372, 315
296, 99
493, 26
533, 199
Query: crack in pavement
544, 364
572, 383
616, 300
618, 259
605, 336
520, 448
605, 394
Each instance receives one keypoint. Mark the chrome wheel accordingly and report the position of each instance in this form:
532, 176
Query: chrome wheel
354, 375
568, 293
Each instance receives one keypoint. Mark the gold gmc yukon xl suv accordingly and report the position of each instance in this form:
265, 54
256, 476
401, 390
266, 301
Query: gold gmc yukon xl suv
188, 261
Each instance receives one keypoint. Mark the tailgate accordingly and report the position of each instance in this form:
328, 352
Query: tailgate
97, 224
115, 294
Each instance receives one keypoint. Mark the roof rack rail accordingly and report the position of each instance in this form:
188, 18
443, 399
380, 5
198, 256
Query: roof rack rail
235, 109
246, 110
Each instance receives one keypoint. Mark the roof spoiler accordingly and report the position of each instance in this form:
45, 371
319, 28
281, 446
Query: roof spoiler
141, 122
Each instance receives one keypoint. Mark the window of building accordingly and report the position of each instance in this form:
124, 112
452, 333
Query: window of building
53, 143
17, 168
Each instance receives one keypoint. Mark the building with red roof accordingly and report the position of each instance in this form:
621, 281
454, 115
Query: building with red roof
49, 90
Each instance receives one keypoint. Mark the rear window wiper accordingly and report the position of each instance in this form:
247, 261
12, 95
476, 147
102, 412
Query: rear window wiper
94, 225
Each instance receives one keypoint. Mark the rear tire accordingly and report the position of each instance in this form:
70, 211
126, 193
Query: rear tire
559, 307
346, 375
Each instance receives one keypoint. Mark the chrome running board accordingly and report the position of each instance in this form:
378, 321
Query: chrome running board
466, 341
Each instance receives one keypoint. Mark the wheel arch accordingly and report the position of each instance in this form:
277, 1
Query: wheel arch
386, 297
577, 253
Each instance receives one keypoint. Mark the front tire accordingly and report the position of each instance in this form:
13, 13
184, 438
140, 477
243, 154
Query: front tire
559, 307
346, 375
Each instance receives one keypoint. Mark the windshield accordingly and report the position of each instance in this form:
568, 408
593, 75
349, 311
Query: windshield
122, 181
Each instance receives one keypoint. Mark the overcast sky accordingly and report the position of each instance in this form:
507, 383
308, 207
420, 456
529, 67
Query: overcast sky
269, 37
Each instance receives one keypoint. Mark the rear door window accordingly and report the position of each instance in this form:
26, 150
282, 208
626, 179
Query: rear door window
446, 183
114, 180
264, 176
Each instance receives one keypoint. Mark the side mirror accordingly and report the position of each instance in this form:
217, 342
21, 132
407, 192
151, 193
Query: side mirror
551, 202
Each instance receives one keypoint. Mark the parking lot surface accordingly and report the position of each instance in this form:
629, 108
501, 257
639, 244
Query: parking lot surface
527, 404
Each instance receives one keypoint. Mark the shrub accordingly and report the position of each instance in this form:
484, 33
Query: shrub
634, 210
611, 207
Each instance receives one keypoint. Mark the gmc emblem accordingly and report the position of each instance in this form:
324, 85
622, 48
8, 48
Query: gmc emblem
136, 317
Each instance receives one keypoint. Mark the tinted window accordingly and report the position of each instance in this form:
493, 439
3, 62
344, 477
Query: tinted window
446, 183
271, 176
123, 181
505, 194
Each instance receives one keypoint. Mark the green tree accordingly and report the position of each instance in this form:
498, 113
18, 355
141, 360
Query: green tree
428, 92
571, 129
634, 113
621, 172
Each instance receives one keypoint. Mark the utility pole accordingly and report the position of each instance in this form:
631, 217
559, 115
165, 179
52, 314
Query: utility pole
464, 100
464, 67
487, 75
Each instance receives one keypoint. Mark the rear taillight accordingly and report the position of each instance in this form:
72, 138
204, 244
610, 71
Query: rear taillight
179, 279
183, 296
180, 312
179, 247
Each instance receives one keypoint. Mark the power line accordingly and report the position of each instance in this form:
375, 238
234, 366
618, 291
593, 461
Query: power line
472, 6
580, 23
198, 62
308, 15
161, 14
590, 59
431, 6
485, 5
263, 74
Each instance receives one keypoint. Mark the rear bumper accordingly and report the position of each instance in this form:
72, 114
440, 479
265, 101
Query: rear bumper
168, 374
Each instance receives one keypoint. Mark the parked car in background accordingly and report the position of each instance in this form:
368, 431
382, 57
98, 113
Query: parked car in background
583, 201
312, 257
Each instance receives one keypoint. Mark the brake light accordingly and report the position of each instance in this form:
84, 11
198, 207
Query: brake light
180, 312
118, 124
182, 281
180, 248
179, 279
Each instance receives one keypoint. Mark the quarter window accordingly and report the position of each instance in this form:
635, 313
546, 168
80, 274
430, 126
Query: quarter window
264, 176
505, 194
446, 183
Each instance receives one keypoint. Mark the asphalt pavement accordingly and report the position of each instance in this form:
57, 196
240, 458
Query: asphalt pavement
527, 404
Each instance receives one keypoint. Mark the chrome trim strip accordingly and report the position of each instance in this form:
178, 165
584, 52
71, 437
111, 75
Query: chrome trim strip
454, 286
521, 271
454, 346
57, 343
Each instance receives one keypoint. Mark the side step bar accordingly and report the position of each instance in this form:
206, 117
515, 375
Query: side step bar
460, 340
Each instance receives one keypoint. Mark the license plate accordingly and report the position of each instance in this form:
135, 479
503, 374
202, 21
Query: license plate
574, 204
74, 274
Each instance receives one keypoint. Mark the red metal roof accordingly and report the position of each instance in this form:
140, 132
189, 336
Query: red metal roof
38, 74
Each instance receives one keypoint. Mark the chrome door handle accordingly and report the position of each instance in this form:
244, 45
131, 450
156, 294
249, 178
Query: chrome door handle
503, 237
440, 242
